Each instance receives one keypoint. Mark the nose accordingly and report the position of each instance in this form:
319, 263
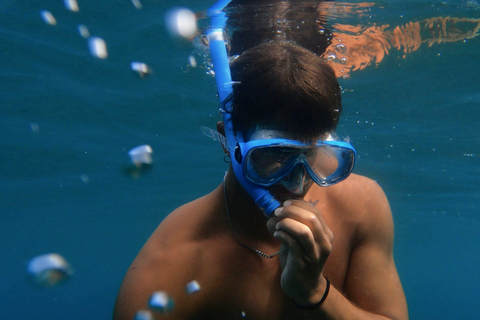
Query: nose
296, 180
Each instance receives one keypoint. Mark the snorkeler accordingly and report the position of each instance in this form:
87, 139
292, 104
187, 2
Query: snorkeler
318, 244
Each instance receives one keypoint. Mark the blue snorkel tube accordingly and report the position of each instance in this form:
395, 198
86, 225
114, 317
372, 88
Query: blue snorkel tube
223, 78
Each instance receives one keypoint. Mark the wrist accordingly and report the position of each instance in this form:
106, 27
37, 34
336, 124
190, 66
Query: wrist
314, 301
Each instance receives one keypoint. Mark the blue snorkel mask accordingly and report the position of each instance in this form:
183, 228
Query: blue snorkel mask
261, 162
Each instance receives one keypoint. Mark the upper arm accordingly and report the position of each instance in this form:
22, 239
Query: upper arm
172, 257
159, 267
372, 280
139, 283
167, 272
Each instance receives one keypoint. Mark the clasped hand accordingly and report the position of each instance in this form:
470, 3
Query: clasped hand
306, 242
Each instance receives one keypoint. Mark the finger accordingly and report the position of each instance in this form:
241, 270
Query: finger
302, 234
271, 223
305, 213
309, 206
289, 242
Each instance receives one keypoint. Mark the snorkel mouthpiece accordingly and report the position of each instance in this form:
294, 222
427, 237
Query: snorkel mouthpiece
218, 52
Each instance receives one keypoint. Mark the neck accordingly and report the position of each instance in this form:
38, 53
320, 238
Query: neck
247, 219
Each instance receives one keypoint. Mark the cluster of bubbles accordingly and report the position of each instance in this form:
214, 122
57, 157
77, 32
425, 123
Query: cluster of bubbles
180, 23
161, 302
96, 45
201, 50
51, 269
473, 4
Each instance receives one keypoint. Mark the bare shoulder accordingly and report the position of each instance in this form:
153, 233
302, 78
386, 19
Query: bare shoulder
355, 195
358, 201
361, 186
373, 216
173, 256
190, 222
181, 236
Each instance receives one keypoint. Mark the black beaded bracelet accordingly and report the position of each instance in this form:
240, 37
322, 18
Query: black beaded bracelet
318, 304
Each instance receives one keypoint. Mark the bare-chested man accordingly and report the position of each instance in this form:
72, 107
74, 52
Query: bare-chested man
325, 253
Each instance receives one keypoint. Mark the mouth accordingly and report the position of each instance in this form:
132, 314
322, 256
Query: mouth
282, 195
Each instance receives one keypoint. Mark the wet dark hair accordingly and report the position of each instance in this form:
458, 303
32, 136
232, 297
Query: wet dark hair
287, 87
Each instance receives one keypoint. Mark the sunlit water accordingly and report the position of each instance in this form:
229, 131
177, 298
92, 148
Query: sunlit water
69, 119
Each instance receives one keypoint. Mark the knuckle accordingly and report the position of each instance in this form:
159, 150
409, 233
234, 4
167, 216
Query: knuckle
304, 232
331, 236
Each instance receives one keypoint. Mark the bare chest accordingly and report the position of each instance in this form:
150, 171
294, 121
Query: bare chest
242, 285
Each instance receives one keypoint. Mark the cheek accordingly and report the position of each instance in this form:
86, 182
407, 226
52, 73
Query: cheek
308, 185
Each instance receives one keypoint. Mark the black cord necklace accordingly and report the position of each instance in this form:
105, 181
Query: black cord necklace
260, 253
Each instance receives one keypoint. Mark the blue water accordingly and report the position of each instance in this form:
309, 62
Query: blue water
68, 120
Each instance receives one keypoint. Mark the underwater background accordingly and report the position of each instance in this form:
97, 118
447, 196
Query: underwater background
68, 120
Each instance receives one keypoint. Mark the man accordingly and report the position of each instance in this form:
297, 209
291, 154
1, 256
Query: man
325, 253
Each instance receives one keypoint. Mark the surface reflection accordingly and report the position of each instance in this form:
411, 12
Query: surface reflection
347, 47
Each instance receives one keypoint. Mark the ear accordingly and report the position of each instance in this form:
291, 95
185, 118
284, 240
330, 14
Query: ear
221, 130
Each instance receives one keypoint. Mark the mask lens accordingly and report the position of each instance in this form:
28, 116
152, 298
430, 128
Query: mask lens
270, 163
332, 164
323, 161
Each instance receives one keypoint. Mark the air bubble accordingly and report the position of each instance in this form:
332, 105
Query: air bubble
341, 48
137, 4
141, 155
71, 5
48, 17
83, 30
331, 57
192, 61
49, 269
141, 68
182, 23
192, 287
144, 315
160, 301
34, 127
97, 47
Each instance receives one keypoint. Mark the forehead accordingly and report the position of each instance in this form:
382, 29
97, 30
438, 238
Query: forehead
262, 132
